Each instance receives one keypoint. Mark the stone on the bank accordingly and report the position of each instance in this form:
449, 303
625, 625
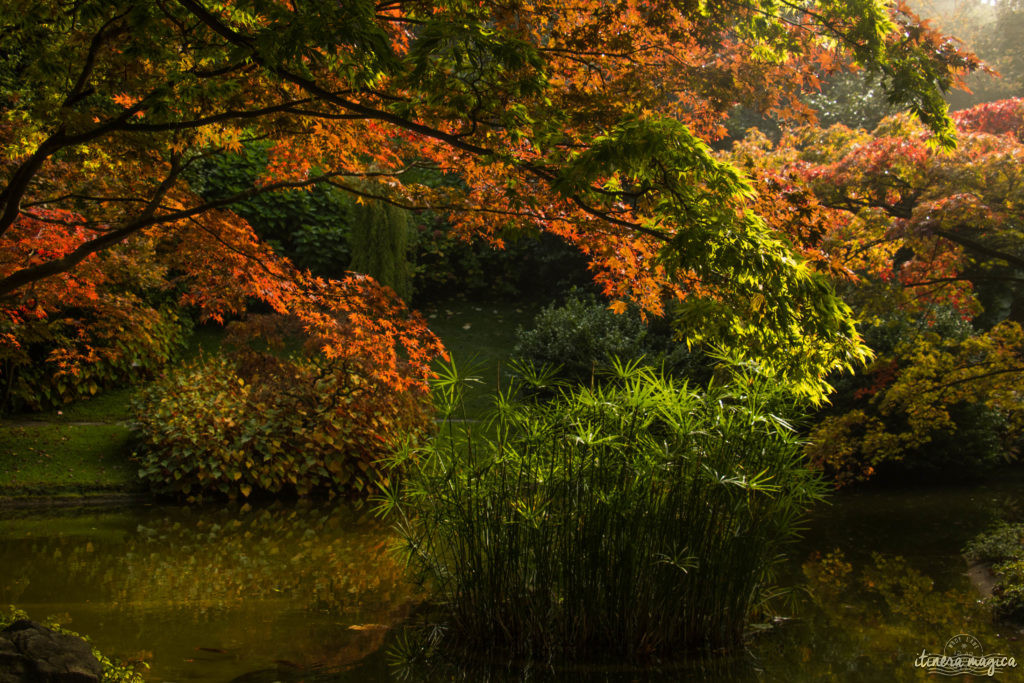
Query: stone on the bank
33, 653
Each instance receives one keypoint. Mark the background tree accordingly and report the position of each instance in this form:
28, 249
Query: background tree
381, 241
309, 226
927, 247
992, 30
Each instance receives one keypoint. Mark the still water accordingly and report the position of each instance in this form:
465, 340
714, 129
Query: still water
310, 592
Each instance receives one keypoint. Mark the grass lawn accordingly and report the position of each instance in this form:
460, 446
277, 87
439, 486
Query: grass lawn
51, 458
83, 447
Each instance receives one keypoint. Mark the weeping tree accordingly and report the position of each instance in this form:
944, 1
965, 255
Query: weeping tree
381, 241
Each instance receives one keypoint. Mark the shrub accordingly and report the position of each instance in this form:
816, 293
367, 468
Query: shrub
257, 421
1008, 595
582, 337
76, 354
1002, 547
633, 518
999, 544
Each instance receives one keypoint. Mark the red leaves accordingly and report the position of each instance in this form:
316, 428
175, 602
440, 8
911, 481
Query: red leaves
890, 208
1005, 117
224, 265
41, 236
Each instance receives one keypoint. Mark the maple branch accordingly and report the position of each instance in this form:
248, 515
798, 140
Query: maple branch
17, 186
315, 89
628, 55
10, 197
222, 71
428, 207
215, 118
82, 197
77, 90
963, 278
904, 210
976, 246
29, 274
802, 10
230, 247
964, 380
148, 218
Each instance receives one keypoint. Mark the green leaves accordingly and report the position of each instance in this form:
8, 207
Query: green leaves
747, 290
653, 154
460, 61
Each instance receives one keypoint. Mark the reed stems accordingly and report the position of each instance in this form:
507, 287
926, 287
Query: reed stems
631, 518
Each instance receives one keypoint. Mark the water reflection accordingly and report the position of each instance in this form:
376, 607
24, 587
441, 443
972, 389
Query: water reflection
309, 592
211, 591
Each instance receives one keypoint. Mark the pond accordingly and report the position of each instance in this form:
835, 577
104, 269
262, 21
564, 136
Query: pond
309, 591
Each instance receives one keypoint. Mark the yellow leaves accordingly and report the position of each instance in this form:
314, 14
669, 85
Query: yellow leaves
757, 302
618, 307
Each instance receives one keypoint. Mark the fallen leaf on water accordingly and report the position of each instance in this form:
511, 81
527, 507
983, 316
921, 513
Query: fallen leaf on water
367, 627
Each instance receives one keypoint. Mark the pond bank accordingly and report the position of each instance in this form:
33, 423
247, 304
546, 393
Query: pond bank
83, 450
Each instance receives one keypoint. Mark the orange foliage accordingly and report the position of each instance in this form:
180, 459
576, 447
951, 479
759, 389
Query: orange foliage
504, 98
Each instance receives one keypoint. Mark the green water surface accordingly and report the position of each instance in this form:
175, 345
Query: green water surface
309, 591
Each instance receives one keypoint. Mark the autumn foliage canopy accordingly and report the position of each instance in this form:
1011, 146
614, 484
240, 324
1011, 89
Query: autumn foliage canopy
925, 245
588, 120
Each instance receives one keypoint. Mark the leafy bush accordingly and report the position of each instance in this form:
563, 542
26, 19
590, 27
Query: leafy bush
1008, 595
582, 336
78, 353
934, 385
999, 544
633, 518
260, 421
1002, 547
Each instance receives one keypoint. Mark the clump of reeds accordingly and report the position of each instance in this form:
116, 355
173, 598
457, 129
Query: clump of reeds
632, 518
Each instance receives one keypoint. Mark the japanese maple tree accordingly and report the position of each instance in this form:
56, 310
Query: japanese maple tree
922, 242
589, 120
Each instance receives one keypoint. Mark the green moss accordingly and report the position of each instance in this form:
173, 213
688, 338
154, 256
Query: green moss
48, 458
